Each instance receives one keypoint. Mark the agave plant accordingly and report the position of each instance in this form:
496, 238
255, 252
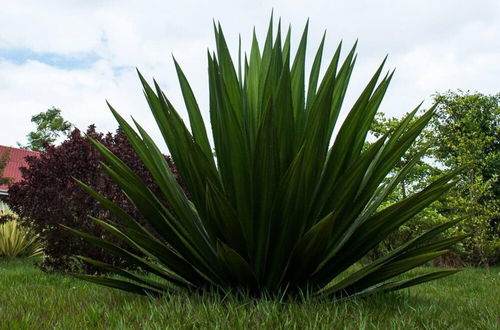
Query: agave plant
18, 241
283, 207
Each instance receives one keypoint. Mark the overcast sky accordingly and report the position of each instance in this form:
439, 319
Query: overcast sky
76, 54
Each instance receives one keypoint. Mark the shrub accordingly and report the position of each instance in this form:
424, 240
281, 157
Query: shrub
419, 224
49, 197
280, 211
463, 135
18, 241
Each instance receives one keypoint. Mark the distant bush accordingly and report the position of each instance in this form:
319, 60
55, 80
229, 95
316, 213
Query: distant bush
421, 223
49, 197
464, 136
480, 248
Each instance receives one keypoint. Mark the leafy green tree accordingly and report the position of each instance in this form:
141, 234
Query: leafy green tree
423, 170
463, 136
421, 174
4, 158
468, 127
466, 131
50, 126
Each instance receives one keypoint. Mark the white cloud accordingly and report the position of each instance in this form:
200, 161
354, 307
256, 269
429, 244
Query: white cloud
435, 45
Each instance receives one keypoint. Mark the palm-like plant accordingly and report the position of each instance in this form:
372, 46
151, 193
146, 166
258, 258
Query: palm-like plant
282, 209
18, 241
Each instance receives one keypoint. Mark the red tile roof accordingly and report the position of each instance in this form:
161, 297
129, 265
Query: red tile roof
15, 161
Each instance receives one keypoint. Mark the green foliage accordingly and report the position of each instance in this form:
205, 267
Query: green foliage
467, 136
18, 241
281, 211
463, 136
4, 158
417, 177
50, 125
423, 171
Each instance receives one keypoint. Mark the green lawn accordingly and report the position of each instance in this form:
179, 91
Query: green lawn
31, 299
